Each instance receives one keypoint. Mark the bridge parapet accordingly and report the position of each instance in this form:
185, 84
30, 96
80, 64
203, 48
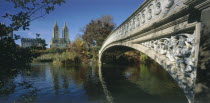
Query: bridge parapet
148, 13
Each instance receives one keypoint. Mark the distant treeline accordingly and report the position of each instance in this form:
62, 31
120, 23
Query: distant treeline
85, 47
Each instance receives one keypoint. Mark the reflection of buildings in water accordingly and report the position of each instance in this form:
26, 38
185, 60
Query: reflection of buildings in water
65, 79
63, 76
83, 77
55, 78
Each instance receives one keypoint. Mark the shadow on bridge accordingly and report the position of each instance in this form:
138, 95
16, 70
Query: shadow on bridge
117, 55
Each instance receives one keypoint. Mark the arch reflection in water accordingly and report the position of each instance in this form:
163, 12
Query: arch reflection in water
107, 93
145, 84
88, 84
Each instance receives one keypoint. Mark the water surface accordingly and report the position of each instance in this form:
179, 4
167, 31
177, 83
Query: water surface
48, 83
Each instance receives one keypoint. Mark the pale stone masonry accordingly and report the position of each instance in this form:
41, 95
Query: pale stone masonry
176, 34
56, 41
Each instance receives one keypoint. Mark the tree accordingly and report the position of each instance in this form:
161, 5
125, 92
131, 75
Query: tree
29, 10
79, 46
97, 30
12, 57
37, 35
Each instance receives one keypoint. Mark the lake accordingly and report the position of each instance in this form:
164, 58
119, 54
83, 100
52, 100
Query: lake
48, 83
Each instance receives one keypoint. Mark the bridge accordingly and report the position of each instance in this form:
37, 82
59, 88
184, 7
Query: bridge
174, 33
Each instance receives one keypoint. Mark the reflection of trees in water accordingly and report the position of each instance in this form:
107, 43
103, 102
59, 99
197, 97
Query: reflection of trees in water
39, 71
122, 90
154, 74
7, 87
7, 82
30, 92
78, 75
26, 81
64, 80
23, 83
92, 84
150, 81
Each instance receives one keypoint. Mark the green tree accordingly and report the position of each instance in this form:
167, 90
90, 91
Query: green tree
12, 57
27, 11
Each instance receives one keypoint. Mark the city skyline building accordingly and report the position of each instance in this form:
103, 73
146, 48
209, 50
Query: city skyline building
56, 41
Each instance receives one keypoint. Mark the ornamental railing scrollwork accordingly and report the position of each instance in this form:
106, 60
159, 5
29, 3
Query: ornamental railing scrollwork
180, 49
158, 8
146, 13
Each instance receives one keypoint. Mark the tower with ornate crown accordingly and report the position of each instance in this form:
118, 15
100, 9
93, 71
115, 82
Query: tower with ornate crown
57, 42
65, 33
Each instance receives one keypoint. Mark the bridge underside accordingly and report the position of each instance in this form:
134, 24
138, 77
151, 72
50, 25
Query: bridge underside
115, 55
185, 80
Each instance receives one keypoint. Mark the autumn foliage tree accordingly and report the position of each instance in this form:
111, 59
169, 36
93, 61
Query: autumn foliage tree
80, 48
97, 30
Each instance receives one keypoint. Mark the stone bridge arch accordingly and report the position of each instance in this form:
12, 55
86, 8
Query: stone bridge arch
175, 33
185, 79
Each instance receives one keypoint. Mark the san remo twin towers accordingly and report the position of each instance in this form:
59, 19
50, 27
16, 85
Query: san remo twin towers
56, 41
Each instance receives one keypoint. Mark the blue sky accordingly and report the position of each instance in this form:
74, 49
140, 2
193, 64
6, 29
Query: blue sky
76, 13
